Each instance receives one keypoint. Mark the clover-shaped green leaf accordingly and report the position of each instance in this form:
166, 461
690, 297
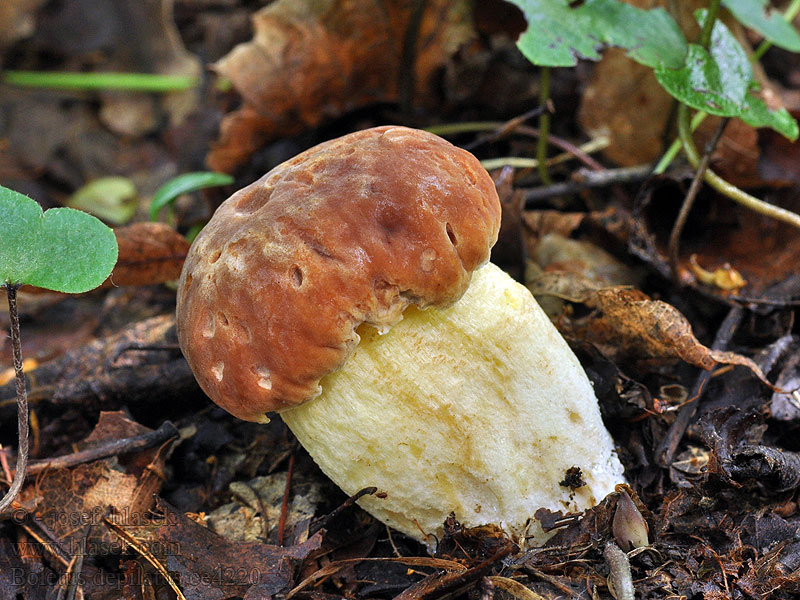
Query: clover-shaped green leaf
63, 249
558, 35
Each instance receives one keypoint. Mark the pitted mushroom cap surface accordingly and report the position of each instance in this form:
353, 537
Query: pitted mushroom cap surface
351, 231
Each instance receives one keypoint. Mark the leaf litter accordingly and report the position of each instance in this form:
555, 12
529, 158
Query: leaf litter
722, 521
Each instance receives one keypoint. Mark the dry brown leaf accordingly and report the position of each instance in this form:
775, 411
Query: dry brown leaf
646, 328
310, 60
149, 253
539, 223
564, 285
203, 564
628, 324
72, 502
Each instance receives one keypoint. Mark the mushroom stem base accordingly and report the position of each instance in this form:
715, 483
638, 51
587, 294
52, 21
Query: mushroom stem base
479, 409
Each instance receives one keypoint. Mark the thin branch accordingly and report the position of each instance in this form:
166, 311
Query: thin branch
110, 448
688, 201
522, 162
731, 191
544, 126
407, 75
285, 502
619, 572
22, 401
588, 179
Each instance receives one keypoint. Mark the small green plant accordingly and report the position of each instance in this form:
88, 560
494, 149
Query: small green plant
713, 76
63, 250
184, 184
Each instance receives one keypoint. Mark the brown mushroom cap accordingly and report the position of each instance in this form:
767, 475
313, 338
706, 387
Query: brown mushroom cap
351, 231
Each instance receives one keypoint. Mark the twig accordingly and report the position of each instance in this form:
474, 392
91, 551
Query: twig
507, 128
285, 502
501, 129
521, 162
688, 201
407, 75
544, 126
666, 448
588, 179
620, 572
315, 527
727, 189
111, 448
576, 151
22, 402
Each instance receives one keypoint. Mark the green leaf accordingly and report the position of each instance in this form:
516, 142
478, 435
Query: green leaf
558, 35
713, 82
113, 199
62, 249
184, 184
755, 14
651, 37
757, 114
718, 81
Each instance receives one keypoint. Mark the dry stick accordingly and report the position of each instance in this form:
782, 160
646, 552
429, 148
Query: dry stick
315, 527
544, 126
407, 75
688, 201
507, 128
666, 448
285, 502
588, 179
620, 572
564, 145
22, 401
111, 448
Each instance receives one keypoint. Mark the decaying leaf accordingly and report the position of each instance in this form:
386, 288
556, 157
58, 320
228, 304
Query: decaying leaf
312, 60
72, 502
149, 253
628, 324
203, 564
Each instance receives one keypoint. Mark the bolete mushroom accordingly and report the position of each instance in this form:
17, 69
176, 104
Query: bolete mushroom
472, 403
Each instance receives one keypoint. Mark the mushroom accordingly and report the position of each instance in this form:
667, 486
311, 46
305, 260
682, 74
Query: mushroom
348, 289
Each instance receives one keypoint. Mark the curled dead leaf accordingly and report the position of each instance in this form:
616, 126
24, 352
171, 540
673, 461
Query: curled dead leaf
628, 324
149, 253
310, 60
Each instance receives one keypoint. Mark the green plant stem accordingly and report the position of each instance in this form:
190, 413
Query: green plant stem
708, 27
676, 146
22, 402
788, 15
544, 126
675, 236
131, 82
672, 151
725, 188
